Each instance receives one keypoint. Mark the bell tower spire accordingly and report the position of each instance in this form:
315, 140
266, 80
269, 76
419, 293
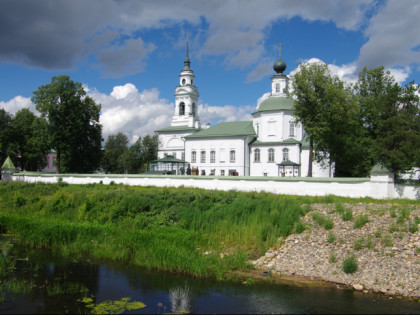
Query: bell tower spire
187, 59
186, 97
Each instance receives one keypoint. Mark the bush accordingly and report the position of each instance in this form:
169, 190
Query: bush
339, 208
350, 264
331, 238
19, 200
404, 214
347, 215
333, 258
323, 220
300, 227
413, 227
360, 221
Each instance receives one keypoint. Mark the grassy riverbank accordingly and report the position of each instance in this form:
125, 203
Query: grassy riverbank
200, 232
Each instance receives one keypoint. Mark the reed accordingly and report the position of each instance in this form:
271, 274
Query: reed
200, 232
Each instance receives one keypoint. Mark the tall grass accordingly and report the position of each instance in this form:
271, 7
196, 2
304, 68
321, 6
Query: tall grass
164, 228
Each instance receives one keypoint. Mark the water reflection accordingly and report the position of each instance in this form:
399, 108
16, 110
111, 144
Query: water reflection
181, 298
59, 285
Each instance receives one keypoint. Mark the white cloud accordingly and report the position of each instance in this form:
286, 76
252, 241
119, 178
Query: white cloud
17, 103
55, 35
216, 114
400, 74
119, 92
132, 112
394, 37
262, 98
261, 70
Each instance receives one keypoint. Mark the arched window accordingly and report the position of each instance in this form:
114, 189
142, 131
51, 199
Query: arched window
232, 156
256, 155
285, 154
182, 109
212, 156
291, 129
193, 157
203, 157
193, 109
277, 87
183, 81
270, 155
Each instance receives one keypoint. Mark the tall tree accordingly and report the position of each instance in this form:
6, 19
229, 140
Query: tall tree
116, 148
324, 106
74, 127
150, 149
5, 134
39, 145
120, 158
390, 116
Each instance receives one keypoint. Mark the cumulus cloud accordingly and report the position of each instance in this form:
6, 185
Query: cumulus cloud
127, 58
216, 114
349, 72
17, 103
56, 34
132, 112
393, 36
137, 113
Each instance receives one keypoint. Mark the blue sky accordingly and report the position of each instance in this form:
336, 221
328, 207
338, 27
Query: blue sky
128, 54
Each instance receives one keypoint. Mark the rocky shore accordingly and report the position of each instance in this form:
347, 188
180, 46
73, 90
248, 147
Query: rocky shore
386, 247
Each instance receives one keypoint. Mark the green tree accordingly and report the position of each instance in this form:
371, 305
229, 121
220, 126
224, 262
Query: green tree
150, 150
115, 153
39, 145
328, 113
390, 115
5, 134
74, 127
120, 158
30, 140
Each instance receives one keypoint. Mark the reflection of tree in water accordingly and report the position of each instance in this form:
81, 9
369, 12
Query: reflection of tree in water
181, 298
52, 281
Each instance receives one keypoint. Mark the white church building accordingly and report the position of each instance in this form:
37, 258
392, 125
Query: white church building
271, 144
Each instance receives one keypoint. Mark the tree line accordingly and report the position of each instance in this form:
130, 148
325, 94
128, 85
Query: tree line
69, 124
356, 126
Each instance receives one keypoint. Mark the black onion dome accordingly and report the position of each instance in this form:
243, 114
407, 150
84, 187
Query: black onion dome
279, 66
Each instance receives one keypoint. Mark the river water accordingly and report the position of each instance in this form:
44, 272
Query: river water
38, 282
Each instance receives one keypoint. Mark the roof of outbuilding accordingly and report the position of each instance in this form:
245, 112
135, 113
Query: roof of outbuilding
169, 159
226, 129
288, 163
276, 103
8, 164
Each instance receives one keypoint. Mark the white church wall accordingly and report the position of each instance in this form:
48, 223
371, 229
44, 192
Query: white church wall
222, 163
378, 188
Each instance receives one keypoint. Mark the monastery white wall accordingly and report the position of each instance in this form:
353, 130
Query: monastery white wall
378, 187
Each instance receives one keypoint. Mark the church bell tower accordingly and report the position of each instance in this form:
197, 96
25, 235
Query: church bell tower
186, 98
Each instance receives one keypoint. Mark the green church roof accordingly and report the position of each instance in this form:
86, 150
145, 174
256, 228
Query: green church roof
8, 164
169, 159
226, 129
276, 103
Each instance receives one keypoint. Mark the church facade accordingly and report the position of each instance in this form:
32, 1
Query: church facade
271, 144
